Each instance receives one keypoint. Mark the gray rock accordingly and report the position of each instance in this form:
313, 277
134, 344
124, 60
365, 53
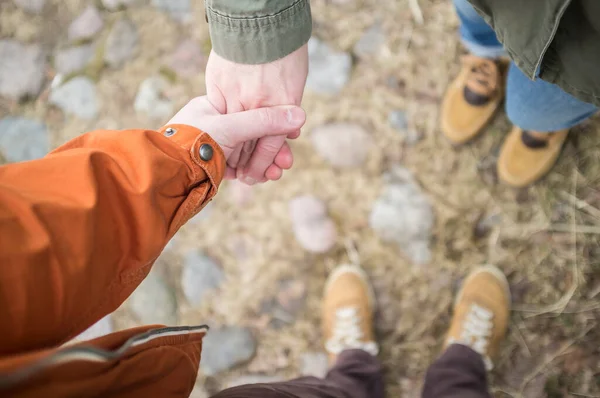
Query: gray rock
200, 275
313, 229
314, 364
329, 70
370, 42
31, 6
87, 25
114, 5
121, 43
180, 10
225, 348
151, 101
253, 379
153, 302
22, 69
342, 144
187, 60
283, 309
23, 139
73, 59
398, 119
404, 215
76, 97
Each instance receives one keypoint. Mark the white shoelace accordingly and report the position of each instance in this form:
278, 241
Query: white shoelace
347, 333
476, 332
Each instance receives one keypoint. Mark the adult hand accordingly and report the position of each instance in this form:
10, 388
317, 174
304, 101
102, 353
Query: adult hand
231, 131
232, 87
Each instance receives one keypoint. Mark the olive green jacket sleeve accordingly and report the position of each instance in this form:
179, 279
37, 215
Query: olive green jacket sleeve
258, 31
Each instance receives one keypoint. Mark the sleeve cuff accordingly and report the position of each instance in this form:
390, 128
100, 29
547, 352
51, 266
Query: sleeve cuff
261, 39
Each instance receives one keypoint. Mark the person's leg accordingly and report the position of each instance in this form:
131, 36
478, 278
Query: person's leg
356, 374
476, 35
479, 324
542, 114
348, 307
475, 94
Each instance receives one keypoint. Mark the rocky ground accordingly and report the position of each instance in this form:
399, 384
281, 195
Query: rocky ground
420, 213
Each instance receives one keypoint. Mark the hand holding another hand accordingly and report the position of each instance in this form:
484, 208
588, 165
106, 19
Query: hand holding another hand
232, 130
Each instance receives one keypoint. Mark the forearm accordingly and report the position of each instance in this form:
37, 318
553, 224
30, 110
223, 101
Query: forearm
80, 228
258, 31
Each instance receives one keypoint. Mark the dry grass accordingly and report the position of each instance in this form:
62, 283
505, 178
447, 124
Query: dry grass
545, 238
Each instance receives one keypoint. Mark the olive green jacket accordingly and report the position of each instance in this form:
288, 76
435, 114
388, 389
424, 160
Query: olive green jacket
556, 40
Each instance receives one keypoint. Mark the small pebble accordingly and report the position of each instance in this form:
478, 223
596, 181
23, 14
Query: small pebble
73, 59
370, 42
313, 229
121, 43
31, 6
23, 139
329, 70
87, 25
151, 101
404, 215
76, 97
153, 302
398, 120
22, 69
201, 274
225, 348
344, 145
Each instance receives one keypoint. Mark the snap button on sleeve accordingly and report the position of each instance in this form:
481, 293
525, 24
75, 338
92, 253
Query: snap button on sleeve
206, 152
170, 131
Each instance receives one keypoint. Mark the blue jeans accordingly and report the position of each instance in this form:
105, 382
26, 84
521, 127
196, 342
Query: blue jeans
532, 105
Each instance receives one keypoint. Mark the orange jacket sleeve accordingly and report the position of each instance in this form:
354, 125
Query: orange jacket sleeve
80, 228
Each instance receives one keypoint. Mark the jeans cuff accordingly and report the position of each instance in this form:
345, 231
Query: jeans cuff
483, 51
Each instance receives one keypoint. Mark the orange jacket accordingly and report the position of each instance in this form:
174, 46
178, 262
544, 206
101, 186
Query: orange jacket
79, 231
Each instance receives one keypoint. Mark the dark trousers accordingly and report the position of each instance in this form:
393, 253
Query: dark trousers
459, 372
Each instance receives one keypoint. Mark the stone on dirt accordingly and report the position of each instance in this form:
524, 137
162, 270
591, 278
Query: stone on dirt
370, 42
22, 69
76, 97
314, 364
404, 215
178, 9
225, 348
329, 70
342, 144
114, 5
151, 101
121, 43
23, 139
87, 25
398, 119
200, 275
31, 6
73, 59
314, 230
153, 302
187, 60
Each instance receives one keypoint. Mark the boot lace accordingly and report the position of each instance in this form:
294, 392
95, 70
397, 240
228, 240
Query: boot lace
476, 332
483, 75
347, 333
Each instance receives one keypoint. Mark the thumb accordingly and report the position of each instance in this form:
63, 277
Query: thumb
236, 128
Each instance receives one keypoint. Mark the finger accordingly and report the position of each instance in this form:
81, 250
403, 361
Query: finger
264, 155
236, 128
229, 174
233, 160
285, 158
294, 135
273, 173
247, 150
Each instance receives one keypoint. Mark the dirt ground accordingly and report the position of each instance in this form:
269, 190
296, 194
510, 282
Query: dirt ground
545, 238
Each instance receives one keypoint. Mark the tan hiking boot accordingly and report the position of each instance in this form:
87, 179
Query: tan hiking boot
472, 98
481, 313
348, 307
527, 156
